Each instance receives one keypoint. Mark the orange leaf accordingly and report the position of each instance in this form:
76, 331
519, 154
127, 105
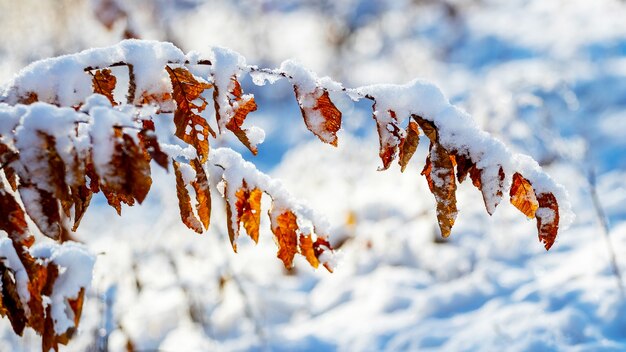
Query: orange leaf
203, 193
285, 228
307, 250
547, 219
523, 196
439, 172
190, 127
103, 82
247, 209
408, 145
242, 106
320, 246
323, 118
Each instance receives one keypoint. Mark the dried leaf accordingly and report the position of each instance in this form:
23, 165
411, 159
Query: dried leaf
184, 202
429, 128
13, 219
285, 228
307, 250
389, 135
11, 304
103, 82
190, 127
43, 208
203, 193
247, 209
323, 118
151, 146
242, 106
439, 172
408, 145
523, 196
547, 219
320, 246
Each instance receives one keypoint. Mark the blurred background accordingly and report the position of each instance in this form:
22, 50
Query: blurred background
546, 77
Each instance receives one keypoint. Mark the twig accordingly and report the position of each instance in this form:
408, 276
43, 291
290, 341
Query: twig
606, 230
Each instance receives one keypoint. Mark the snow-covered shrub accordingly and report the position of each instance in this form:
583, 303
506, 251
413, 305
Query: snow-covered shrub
79, 124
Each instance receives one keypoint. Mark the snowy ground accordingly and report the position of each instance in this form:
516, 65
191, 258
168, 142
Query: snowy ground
548, 78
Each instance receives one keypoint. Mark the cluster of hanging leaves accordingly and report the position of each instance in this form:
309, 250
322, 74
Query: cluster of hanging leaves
440, 174
32, 311
57, 205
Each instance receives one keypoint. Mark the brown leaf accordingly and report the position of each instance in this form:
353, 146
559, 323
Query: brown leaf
103, 82
463, 166
56, 172
203, 193
11, 304
190, 127
320, 246
242, 106
429, 128
128, 177
323, 118
13, 219
150, 145
285, 228
439, 172
408, 145
389, 135
547, 218
43, 208
523, 196
184, 202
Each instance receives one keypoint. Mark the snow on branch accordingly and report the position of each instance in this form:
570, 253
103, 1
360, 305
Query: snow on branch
69, 129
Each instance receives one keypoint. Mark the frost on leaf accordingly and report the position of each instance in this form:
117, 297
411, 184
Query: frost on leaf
523, 196
190, 126
408, 145
128, 174
246, 209
242, 105
184, 201
439, 172
320, 115
390, 135
285, 229
103, 82
13, 219
547, 219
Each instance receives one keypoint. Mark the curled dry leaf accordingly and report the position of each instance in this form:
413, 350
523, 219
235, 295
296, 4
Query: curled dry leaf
184, 201
203, 193
246, 210
242, 105
305, 246
285, 229
439, 172
389, 135
523, 196
408, 145
320, 114
190, 126
547, 219
13, 219
150, 145
103, 82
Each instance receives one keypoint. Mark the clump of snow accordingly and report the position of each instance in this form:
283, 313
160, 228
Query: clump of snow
62, 80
